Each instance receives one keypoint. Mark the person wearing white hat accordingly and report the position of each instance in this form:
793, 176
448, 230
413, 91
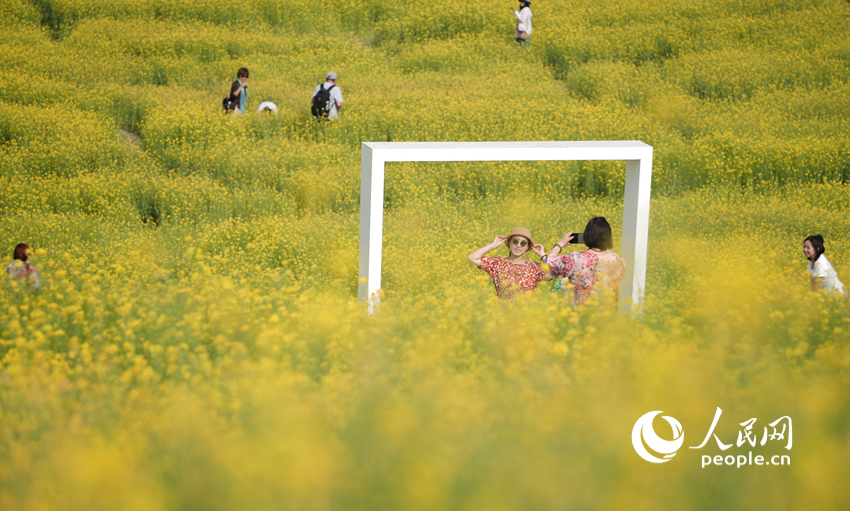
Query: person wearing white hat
267, 106
327, 98
513, 274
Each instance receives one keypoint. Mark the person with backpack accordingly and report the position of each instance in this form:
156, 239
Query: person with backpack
238, 97
327, 99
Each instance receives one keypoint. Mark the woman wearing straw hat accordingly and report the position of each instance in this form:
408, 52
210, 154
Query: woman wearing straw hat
513, 274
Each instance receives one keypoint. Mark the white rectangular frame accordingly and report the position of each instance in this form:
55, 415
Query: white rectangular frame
636, 154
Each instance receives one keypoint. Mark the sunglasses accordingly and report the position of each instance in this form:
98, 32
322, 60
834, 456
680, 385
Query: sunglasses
519, 241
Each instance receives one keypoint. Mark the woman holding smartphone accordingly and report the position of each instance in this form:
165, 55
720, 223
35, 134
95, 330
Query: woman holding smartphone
823, 275
595, 269
514, 274
578, 267
611, 268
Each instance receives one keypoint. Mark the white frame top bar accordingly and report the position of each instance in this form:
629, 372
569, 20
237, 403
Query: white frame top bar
636, 154
507, 151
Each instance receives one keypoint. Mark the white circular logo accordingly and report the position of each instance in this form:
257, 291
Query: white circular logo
643, 433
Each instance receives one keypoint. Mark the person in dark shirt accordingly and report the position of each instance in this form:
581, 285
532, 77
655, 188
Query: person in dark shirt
239, 91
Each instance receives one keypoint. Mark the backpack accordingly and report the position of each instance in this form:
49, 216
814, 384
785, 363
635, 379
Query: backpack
322, 102
230, 102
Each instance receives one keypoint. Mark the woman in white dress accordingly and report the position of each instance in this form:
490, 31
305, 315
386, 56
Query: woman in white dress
523, 21
822, 273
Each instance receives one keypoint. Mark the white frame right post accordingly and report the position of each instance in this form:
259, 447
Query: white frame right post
637, 155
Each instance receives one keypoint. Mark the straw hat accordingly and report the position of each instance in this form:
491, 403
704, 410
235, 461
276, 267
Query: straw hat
525, 233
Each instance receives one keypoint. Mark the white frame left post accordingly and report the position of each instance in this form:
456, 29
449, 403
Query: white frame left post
371, 225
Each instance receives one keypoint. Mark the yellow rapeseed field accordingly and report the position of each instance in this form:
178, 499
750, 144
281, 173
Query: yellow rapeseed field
198, 344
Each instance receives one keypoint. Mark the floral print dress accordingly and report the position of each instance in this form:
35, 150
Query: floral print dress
610, 274
511, 279
21, 274
579, 268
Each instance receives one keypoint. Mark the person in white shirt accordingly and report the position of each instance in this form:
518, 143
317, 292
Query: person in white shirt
523, 21
823, 275
331, 110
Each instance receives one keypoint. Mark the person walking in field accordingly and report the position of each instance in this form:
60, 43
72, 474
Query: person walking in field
514, 274
523, 21
238, 98
596, 270
20, 274
823, 275
327, 99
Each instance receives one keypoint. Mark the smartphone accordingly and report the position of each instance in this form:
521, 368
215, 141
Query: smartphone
577, 238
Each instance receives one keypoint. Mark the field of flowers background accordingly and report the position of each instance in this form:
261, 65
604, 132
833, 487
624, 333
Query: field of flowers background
198, 344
